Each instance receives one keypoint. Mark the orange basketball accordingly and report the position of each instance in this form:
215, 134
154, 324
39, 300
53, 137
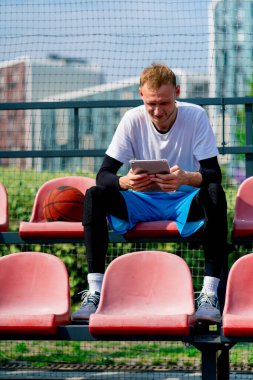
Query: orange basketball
64, 204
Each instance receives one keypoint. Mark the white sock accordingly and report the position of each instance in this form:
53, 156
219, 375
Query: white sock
95, 282
210, 285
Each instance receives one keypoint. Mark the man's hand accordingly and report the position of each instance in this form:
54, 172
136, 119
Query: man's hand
176, 178
137, 182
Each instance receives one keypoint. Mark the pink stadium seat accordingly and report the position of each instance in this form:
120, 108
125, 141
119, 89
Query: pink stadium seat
34, 295
38, 227
238, 309
4, 212
145, 293
156, 229
243, 218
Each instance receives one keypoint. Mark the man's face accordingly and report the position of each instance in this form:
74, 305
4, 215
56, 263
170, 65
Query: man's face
161, 104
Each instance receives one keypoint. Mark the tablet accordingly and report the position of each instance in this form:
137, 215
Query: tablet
150, 166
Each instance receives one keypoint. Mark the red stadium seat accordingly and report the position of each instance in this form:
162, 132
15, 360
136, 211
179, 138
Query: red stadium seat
4, 212
145, 293
243, 218
155, 229
238, 309
38, 227
159, 229
34, 295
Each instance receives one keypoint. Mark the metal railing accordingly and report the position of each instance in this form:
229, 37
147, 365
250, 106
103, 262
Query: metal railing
247, 149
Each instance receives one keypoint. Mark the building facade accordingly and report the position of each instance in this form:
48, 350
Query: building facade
29, 80
231, 47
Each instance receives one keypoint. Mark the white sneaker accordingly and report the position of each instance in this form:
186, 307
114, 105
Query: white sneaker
89, 305
208, 308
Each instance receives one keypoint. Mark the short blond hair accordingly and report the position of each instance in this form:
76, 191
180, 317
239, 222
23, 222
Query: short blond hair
156, 75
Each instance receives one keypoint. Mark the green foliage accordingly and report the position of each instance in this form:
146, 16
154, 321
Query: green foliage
21, 348
241, 133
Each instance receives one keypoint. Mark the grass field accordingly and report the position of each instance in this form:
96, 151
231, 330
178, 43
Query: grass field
163, 355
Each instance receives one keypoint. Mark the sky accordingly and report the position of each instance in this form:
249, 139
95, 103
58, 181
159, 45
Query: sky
120, 36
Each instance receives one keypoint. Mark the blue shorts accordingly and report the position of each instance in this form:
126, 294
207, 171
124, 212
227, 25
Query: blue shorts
151, 206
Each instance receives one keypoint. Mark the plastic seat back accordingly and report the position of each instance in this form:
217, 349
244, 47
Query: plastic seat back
4, 209
146, 292
34, 295
38, 227
243, 218
238, 309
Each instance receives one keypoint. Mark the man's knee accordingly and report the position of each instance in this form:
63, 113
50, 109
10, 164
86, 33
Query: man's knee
217, 195
93, 202
94, 192
212, 194
215, 205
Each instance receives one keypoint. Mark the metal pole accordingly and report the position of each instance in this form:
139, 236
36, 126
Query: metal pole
249, 139
223, 364
76, 128
209, 363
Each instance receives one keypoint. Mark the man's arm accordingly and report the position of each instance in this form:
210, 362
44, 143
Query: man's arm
210, 171
107, 174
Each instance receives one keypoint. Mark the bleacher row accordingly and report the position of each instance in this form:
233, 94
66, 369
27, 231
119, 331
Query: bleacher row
38, 227
35, 296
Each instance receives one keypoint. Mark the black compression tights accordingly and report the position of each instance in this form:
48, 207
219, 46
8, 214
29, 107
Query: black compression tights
210, 203
100, 201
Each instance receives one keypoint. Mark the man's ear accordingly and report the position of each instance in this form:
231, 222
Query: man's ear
140, 92
178, 90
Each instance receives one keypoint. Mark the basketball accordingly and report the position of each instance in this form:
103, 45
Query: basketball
64, 204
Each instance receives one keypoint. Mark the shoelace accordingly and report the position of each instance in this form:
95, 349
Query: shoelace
86, 296
204, 298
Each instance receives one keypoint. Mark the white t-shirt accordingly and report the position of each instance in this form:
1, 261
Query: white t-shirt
190, 139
